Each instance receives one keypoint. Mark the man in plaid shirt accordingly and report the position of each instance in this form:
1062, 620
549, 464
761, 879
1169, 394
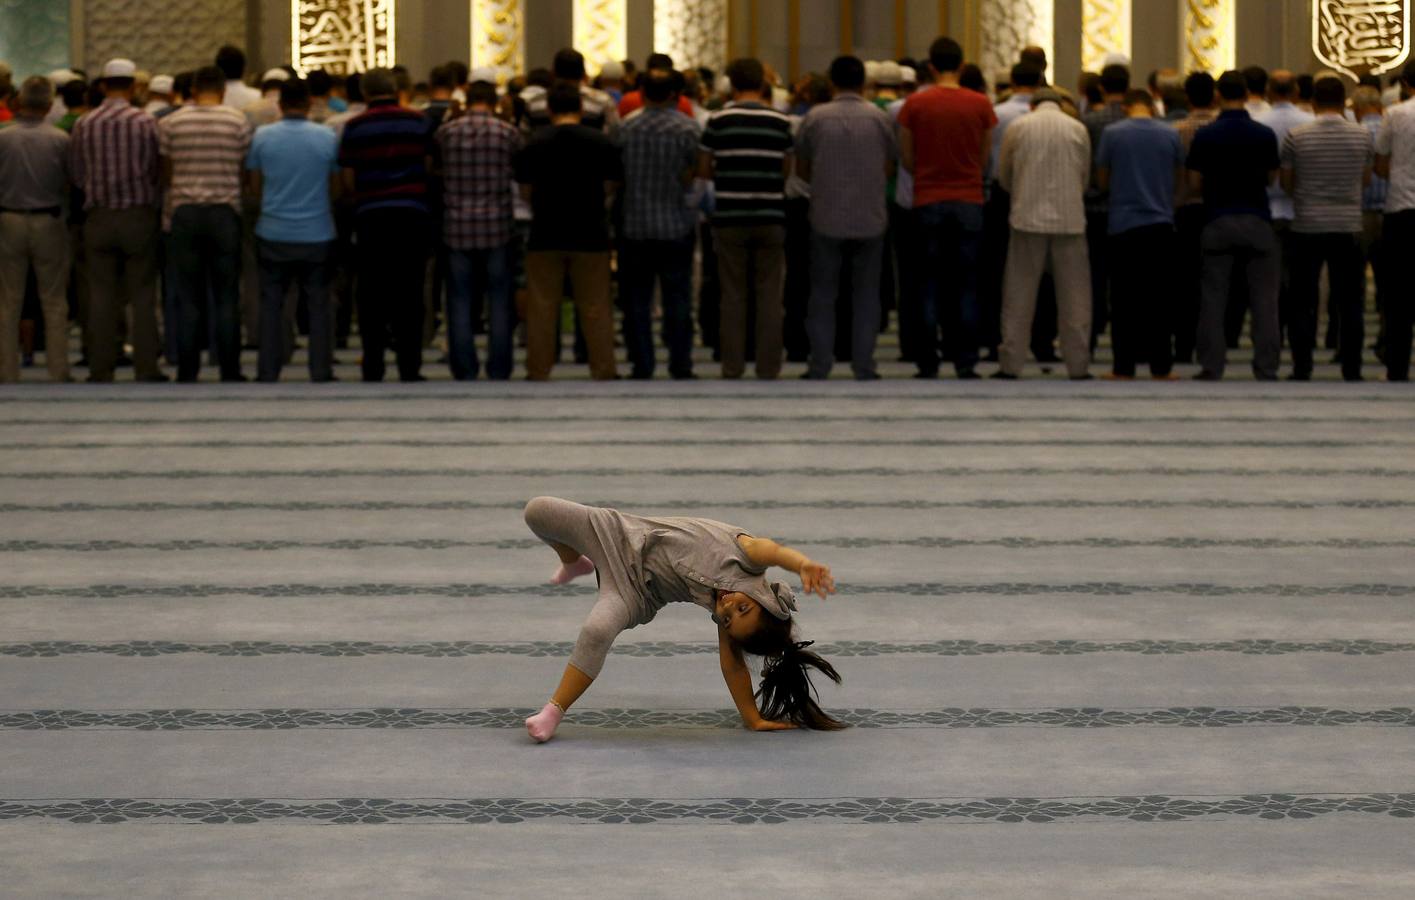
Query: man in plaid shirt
113, 159
660, 154
474, 154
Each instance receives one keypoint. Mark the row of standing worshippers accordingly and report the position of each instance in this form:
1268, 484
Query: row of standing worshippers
965, 238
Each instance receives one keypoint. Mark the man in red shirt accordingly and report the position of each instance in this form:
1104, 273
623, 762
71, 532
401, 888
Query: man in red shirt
945, 133
634, 100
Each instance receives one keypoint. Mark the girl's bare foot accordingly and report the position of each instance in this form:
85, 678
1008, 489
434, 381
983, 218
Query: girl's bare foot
568, 572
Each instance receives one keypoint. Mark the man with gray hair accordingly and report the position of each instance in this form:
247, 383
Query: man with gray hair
1045, 166
33, 181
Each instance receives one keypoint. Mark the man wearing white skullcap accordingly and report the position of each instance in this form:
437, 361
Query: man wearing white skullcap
267, 109
159, 94
114, 160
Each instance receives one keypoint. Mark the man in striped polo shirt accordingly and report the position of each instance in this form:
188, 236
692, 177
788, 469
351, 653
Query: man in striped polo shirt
386, 154
597, 109
114, 161
203, 147
746, 150
1325, 164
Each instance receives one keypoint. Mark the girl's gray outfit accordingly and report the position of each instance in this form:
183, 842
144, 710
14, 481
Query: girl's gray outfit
644, 563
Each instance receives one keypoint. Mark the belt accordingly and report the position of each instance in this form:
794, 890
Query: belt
46, 211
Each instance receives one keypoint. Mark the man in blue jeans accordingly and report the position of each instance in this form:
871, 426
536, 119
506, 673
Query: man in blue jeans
292, 163
660, 155
945, 136
474, 154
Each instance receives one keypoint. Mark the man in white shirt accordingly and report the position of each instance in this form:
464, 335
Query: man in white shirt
1046, 165
232, 61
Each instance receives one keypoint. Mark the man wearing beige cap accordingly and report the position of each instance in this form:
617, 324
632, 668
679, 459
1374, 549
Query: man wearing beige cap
113, 159
267, 109
159, 95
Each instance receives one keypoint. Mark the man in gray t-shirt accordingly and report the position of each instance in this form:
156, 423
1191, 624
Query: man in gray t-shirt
1325, 164
34, 181
847, 151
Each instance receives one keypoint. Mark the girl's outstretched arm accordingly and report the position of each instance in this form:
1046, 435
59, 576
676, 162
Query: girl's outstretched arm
815, 577
739, 684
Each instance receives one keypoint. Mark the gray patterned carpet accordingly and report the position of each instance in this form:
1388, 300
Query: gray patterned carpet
1135, 639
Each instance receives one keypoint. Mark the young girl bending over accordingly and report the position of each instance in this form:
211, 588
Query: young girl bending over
643, 563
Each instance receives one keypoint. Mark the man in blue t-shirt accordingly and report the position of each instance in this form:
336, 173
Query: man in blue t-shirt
1140, 161
292, 164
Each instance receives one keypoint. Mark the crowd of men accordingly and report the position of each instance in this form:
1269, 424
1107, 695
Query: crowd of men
189, 216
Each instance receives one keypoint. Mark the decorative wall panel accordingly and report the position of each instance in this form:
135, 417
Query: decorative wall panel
160, 37
1361, 37
34, 36
693, 32
1006, 26
600, 31
1208, 40
1105, 29
498, 36
342, 36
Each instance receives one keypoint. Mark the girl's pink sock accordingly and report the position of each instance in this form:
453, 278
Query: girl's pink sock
542, 725
570, 571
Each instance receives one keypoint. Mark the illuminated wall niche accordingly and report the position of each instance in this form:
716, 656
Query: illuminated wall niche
693, 32
342, 36
1361, 37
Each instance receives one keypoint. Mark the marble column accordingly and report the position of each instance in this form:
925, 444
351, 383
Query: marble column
1006, 26
34, 36
693, 32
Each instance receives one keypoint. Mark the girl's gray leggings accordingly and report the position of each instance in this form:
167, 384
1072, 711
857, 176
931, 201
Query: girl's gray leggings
564, 522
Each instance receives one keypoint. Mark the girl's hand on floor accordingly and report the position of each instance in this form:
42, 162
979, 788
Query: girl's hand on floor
769, 725
816, 578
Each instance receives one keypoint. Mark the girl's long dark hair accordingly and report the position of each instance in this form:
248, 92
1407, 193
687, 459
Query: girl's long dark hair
786, 692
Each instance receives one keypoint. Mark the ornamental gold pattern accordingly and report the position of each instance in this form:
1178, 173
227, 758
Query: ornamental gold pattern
1208, 41
1105, 28
342, 36
600, 32
497, 36
1361, 37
